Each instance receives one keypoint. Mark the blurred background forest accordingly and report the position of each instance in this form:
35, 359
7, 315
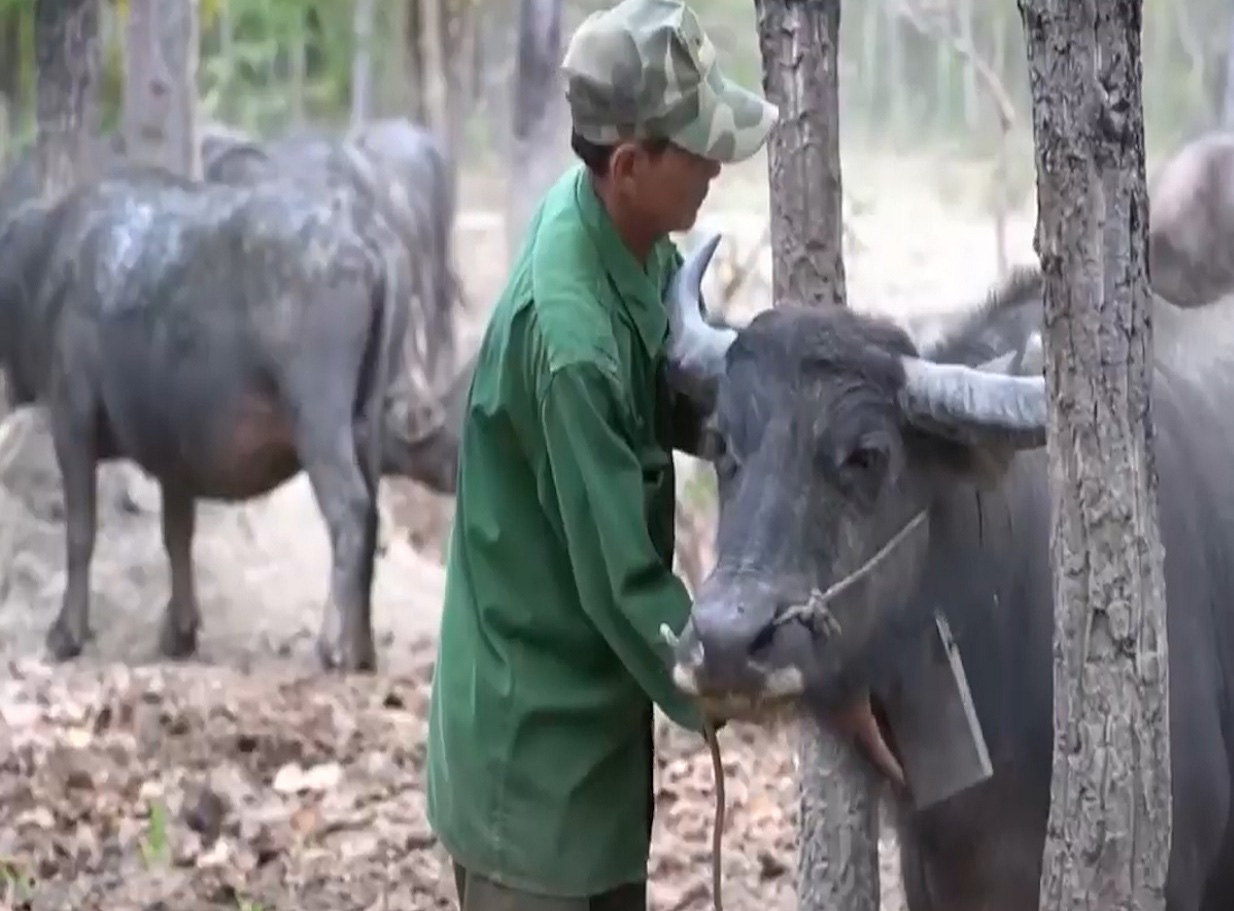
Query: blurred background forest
936, 135
939, 198
917, 77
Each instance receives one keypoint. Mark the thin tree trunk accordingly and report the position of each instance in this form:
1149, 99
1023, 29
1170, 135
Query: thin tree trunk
1227, 101
11, 55
160, 85
838, 842
68, 62
968, 37
497, 41
299, 72
454, 71
404, 82
799, 48
434, 69
538, 114
362, 63
1110, 815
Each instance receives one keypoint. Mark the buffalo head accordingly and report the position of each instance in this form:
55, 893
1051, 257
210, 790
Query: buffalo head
830, 436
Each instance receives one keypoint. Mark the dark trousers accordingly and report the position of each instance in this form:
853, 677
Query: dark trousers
475, 893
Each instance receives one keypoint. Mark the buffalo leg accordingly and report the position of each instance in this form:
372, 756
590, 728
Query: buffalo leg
182, 617
349, 508
75, 455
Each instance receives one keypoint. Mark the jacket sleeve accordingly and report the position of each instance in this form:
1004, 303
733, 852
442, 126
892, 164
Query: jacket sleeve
625, 588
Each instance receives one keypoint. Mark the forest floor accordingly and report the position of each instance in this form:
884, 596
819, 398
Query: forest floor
247, 779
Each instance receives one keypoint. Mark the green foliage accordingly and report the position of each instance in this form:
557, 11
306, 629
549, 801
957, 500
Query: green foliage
249, 49
15, 885
155, 850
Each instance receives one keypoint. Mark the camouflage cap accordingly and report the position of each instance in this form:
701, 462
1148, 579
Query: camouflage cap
644, 69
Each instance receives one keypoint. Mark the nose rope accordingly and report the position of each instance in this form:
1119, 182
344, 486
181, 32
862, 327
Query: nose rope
717, 775
717, 825
816, 608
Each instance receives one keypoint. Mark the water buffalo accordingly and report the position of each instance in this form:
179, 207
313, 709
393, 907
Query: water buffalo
1191, 222
397, 168
835, 441
223, 339
400, 171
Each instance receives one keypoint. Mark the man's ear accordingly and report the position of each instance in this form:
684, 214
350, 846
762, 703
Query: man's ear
624, 161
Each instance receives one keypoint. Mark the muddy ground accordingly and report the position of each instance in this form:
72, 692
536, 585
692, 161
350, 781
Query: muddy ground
247, 779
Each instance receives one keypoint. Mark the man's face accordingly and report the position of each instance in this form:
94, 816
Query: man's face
665, 190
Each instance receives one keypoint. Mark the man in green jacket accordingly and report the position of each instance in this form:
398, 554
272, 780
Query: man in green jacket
559, 571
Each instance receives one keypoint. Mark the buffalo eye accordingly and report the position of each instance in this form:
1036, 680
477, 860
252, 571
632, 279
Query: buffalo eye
864, 459
863, 468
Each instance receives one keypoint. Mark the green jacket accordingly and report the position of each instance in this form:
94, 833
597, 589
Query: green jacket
559, 570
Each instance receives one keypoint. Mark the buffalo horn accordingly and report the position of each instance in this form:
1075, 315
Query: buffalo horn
695, 349
973, 405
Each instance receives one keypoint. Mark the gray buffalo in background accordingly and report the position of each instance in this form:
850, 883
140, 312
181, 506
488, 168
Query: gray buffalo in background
398, 168
401, 171
223, 338
867, 487
245, 339
1191, 222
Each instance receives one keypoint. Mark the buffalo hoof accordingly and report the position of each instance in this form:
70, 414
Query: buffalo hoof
64, 643
344, 645
177, 639
336, 656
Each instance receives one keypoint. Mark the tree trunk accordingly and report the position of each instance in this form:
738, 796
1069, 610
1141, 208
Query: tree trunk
967, 36
1227, 96
798, 45
297, 78
11, 56
68, 62
1109, 823
838, 842
362, 62
160, 85
497, 40
433, 69
538, 114
404, 76
454, 72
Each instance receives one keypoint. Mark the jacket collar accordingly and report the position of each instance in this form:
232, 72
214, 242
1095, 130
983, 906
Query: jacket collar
640, 289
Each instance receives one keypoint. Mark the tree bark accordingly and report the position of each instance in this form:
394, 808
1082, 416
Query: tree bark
68, 62
1108, 835
1227, 95
799, 43
160, 85
362, 62
538, 114
404, 83
496, 43
11, 56
838, 842
433, 70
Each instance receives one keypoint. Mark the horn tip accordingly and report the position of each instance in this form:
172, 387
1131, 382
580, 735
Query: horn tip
704, 249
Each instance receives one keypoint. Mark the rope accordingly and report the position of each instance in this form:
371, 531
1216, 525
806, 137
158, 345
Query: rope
717, 826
